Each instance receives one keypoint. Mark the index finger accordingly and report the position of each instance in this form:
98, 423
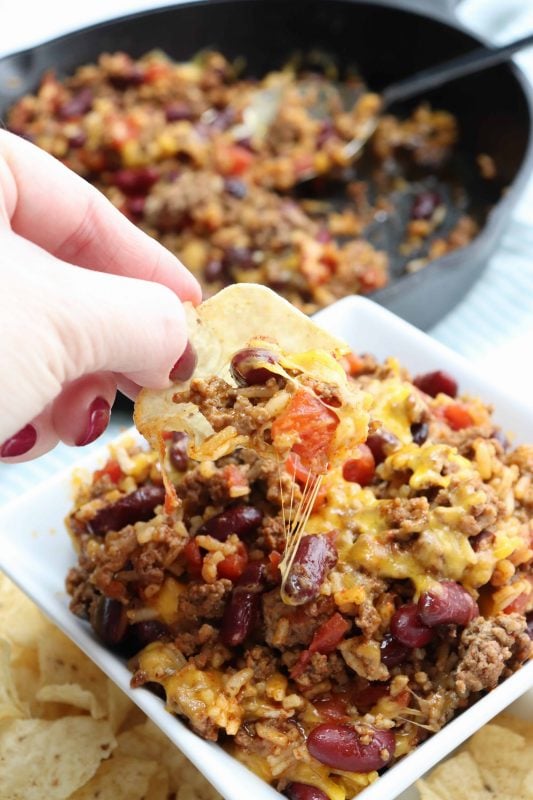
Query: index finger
62, 213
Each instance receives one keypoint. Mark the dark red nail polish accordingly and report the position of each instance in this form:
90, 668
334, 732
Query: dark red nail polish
99, 414
20, 443
185, 365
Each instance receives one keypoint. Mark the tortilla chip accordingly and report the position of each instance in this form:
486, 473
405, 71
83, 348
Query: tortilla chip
21, 622
426, 792
460, 778
118, 706
71, 694
504, 760
11, 707
518, 725
61, 662
119, 778
49, 760
217, 329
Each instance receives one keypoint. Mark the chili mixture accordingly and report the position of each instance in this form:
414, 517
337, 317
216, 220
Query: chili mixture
409, 595
165, 142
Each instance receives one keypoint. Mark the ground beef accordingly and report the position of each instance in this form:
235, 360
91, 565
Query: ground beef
301, 621
405, 517
262, 661
272, 533
204, 601
488, 648
321, 667
222, 405
197, 491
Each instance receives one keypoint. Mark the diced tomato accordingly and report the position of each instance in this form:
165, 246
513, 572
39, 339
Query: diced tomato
361, 468
332, 708
234, 477
275, 558
156, 70
329, 634
233, 566
234, 159
303, 476
193, 558
352, 364
112, 469
457, 416
325, 640
122, 130
315, 426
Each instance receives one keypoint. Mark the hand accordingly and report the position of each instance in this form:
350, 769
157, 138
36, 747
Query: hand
87, 303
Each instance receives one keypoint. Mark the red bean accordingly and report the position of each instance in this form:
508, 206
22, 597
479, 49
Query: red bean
304, 791
315, 556
138, 506
392, 651
419, 432
529, 620
239, 257
446, 604
109, 620
434, 383
135, 206
361, 469
343, 747
78, 105
131, 76
135, 181
176, 112
240, 617
214, 270
254, 576
407, 627
177, 451
150, 630
248, 366
381, 444
425, 204
241, 520
77, 139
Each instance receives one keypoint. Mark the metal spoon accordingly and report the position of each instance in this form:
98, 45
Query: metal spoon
264, 105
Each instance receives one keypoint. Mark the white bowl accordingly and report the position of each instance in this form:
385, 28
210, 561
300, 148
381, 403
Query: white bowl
36, 553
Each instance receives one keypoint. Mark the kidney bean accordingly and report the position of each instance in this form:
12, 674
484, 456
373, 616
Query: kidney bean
135, 206
240, 519
138, 506
235, 188
381, 444
361, 469
407, 627
177, 112
109, 620
240, 616
77, 140
365, 699
245, 367
177, 451
254, 577
240, 257
449, 603
342, 747
78, 105
214, 270
135, 181
419, 432
529, 620
132, 76
425, 204
333, 708
392, 651
151, 630
315, 556
304, 791
434, 383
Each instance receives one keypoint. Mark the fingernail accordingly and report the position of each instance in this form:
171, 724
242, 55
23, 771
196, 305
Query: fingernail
185, 365
99, 414
20, 443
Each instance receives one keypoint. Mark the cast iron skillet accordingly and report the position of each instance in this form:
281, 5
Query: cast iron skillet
494, 108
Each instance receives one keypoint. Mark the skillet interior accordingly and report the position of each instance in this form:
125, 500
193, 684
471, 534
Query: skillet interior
386, 44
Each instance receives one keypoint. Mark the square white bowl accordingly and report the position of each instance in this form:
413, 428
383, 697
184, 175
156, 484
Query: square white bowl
36, 553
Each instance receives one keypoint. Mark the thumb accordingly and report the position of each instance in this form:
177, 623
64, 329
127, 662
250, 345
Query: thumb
128, 326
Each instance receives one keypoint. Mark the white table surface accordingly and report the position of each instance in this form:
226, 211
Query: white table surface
493, 325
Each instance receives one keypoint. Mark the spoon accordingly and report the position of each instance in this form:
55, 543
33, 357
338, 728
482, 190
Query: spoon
264, 105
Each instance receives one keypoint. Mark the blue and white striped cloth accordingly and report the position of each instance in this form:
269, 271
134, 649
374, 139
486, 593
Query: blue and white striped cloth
492, 325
